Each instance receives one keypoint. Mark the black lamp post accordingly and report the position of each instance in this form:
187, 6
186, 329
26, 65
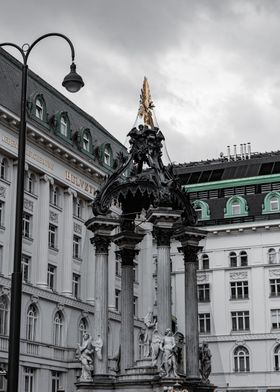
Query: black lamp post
72, 82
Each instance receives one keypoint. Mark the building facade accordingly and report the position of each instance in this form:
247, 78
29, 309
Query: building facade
237, 199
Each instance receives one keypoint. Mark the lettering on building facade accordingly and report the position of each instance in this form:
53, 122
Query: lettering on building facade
79, 182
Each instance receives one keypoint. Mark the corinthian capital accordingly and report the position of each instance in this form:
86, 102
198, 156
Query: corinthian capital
162, 235
101, 243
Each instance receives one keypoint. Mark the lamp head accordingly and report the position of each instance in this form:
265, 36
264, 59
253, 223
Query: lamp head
73, 82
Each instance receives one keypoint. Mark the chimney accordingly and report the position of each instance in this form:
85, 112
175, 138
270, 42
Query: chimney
244, 151
241, 151
228, 153
249, 150
234, 152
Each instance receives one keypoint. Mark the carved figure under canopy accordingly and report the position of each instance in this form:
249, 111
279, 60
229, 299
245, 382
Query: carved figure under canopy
149, 327
205, 362
85, 353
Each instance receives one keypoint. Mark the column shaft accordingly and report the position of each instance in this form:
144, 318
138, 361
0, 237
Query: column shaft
191, 314
127, 318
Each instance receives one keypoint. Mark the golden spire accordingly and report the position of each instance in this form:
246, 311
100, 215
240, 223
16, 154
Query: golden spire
146, 105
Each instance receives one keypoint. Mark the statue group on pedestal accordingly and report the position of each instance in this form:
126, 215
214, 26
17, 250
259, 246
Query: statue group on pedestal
85, 353
164, 350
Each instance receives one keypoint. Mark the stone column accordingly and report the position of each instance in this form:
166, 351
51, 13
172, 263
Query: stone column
163, 235
102, 228
67, 242
126, 241
189, 238
101, 301
43, 240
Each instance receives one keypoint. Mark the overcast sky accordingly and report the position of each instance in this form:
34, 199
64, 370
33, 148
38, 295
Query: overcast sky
213, 66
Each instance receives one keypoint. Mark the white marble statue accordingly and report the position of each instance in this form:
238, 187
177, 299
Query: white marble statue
149, 328
85, 353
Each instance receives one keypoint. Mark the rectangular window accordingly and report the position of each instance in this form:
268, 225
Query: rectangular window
135, 272
28, 379
204, 323
25, 268
135, 306
118, 300
52, 236
3, 380
56, 381
240, 321
76, 246
275, 318
76, 285
2, 213
1, 259
203, 292
274, 287
26, 226
239, 290
51, 278
118, 264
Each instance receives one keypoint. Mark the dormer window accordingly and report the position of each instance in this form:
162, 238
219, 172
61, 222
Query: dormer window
39, 109
202, 210
107, 156
271, 203
63, 126
236, 206
86, 142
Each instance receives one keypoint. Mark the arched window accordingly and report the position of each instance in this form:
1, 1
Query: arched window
32, 317
241, 359
77, 207
236, 206
4, 168
202, 210
205, 261
243, 258
277, 357
30, 182
233, 259
58, 329
83, 328
39, 108
86, 140
271, 203
3, 315
272, 257
54, 195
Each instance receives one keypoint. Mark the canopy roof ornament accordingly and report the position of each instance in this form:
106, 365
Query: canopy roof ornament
141, 180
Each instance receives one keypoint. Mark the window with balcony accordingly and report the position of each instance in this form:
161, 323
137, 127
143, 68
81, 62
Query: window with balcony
26, 268
77, 246
52, 236
203, 292
275, 318
204, 323
4, 315
58, 328
32, 318
241, 359
240, 321
274, 287
27, 225
239, 290
51, 277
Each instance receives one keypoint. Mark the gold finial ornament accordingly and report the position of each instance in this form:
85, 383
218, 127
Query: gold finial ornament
146, 105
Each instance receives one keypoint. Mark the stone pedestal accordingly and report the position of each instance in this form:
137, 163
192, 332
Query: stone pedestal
102, 228
126, 241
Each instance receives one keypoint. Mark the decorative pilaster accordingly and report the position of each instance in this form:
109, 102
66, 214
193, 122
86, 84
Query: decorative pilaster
189, 238
102, 228
126, 241
43, 242
68, 241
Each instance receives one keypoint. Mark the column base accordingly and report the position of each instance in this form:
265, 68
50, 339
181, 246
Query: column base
67, 293
42, 285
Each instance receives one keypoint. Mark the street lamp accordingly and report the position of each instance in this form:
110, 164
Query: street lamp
73, 83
